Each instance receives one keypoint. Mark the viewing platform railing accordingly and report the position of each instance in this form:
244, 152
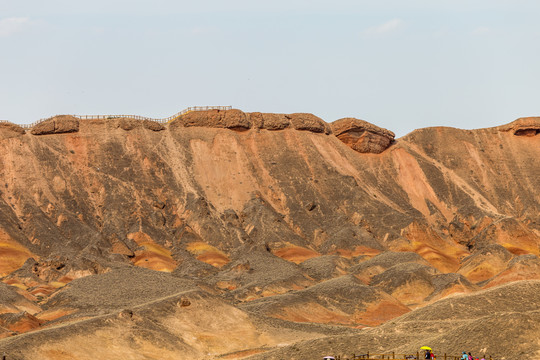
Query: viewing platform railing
136, 117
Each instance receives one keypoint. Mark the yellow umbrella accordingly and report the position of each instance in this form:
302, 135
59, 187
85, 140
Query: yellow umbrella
425, 348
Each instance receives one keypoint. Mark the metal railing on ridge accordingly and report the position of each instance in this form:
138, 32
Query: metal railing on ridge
136, 117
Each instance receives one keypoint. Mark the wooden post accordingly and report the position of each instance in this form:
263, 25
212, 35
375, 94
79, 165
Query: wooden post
393, 355
444, 356
417, 355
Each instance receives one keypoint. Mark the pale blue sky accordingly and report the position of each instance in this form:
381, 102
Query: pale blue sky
399, 64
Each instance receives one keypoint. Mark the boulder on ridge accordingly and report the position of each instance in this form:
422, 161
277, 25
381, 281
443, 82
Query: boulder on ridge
228, 119
362, 136
56, 125
309, 122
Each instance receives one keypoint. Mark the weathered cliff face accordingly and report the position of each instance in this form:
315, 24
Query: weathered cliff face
256, 205
114, 185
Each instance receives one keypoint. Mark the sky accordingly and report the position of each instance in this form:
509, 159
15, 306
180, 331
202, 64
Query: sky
401, 65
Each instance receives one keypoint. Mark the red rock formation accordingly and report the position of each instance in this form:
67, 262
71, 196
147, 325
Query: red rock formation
527, 126
228, 119
309, 122
57, 125
269, 121
238, 120
263, 214
362, 136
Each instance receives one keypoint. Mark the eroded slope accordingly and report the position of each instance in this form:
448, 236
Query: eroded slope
272, 213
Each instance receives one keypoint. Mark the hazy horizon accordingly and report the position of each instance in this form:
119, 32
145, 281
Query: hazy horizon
400, 66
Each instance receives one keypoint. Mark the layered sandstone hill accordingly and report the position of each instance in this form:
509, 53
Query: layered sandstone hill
282, 219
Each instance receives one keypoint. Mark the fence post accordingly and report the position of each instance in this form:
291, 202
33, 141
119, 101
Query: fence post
417, 355
393, 355
444, 356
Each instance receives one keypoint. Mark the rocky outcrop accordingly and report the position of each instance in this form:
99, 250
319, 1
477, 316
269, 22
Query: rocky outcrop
129, 124
238, 120
362, 136
228, 119
56, 125
9, 130
269, 121
526, 126
308, 122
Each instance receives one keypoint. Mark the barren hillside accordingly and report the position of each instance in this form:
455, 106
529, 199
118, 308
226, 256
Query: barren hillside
281, 226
